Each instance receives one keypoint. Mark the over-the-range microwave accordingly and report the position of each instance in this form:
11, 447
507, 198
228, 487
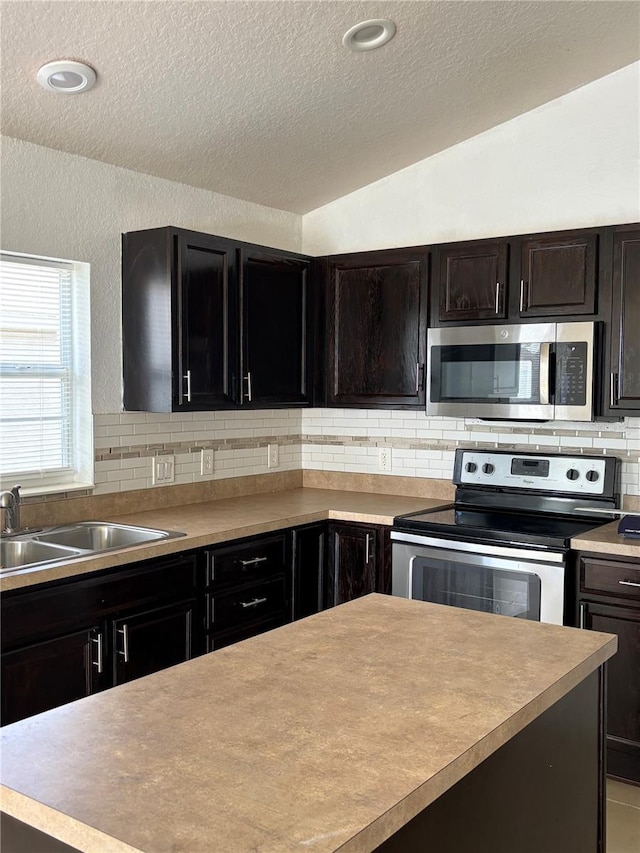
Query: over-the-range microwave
539, 371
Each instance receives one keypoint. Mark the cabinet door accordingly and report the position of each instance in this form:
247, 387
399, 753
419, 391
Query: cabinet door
558, 276
625, 322
623, 684
205, 280
51, 673
353, 562
472, 281
376, 331
275, 342
309, 552
146, 642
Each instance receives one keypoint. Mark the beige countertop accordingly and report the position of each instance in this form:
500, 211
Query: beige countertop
607, 540
232, 518
326, 734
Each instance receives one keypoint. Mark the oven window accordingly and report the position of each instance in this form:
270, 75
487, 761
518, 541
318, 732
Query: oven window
489, 590
499, 373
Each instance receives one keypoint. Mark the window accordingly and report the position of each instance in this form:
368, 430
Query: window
46, 431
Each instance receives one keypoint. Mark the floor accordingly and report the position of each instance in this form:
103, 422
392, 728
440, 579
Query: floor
623, 818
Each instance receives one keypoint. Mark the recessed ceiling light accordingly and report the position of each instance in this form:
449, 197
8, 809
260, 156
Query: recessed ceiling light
66, 77
368, 35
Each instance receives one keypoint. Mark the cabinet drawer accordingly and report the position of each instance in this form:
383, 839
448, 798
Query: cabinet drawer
220, 639
610, 577
248, 604
251, 559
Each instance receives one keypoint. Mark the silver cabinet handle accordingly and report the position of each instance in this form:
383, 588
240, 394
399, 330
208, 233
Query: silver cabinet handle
419, 376
521, 294
613, 389
497, 297
98, 642
248, 380
254, 603
254, 561
582, 611
366, 557
187, 376
629, 583
125, 642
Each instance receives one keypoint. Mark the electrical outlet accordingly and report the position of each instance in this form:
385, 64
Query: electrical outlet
273, 456
206, 462
384, 458
163, 469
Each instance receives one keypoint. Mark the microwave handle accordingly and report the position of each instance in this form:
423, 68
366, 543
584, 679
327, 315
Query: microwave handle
545, 370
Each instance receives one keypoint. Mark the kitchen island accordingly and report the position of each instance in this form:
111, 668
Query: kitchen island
379, 724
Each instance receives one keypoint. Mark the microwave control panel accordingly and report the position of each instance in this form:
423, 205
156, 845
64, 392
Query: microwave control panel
571, 374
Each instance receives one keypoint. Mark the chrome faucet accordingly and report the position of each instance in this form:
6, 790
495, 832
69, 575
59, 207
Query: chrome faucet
10, 503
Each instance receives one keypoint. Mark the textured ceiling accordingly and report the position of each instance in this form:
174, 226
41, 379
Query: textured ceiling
259, 100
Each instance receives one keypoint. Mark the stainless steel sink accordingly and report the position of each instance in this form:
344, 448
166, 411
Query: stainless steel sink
100, 536
18, 553
53, 544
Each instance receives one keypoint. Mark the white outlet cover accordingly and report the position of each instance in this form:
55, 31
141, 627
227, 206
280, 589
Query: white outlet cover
273, 456
206, 462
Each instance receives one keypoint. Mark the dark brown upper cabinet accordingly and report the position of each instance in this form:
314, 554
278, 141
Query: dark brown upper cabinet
558, 275
471, 281
624, 376
377, 328
211, 323
276, 346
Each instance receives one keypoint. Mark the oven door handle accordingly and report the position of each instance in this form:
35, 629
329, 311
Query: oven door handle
454, 547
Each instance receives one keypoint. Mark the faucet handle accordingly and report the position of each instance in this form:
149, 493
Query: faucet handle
15, 491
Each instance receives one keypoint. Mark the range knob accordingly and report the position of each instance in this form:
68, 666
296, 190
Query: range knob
488, 468
572, 474
593, 476
471, 467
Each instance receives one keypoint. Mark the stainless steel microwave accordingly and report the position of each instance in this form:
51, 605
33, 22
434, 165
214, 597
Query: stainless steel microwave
539, 371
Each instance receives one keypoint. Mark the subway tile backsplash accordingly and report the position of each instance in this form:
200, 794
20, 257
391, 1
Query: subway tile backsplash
332, 440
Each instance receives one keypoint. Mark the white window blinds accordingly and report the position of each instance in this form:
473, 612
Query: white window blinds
43, 392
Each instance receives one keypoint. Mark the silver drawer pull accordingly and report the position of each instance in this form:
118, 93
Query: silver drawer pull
254, 603
254, 561
125, 642
98, 641
629, 583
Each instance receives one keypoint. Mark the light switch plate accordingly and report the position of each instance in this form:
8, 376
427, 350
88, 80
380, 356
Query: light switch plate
163, 470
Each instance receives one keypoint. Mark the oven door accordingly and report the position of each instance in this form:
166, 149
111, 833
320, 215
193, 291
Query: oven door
504, 580
491, 372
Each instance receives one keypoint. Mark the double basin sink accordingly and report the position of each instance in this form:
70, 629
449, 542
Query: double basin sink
42, 547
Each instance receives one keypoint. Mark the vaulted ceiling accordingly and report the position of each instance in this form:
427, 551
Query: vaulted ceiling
261, 101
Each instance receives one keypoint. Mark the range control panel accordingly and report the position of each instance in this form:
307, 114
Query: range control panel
553, 473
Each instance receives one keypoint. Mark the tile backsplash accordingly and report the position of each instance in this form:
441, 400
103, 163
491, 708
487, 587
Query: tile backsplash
332, 440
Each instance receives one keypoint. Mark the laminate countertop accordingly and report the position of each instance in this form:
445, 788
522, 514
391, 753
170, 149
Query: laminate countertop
327, 734
607, 540
212, 522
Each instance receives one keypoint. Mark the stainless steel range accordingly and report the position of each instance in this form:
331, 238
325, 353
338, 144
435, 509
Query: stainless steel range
503, 546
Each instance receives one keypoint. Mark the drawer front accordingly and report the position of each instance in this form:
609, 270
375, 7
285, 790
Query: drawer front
248, 604
611, 577
252, 559
221, 639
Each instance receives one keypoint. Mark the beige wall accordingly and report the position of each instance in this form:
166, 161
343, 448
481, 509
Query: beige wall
64, 206
574, 162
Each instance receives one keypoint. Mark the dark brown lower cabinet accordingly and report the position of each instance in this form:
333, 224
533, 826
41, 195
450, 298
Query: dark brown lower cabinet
353, 566
64, 640
309, 551
155, 639
609, 601
53, 672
